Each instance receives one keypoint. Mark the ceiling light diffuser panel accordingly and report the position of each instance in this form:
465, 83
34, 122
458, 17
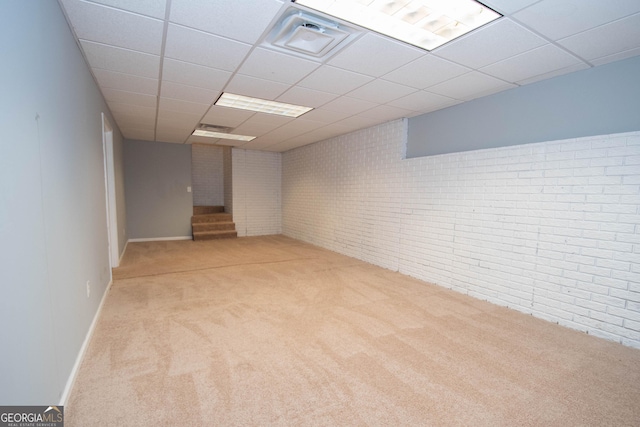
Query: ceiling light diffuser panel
221, 135
426, 24
261, 105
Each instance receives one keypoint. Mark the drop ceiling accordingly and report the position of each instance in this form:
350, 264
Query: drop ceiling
161, 65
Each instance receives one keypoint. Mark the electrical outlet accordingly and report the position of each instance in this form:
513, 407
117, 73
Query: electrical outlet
88, 288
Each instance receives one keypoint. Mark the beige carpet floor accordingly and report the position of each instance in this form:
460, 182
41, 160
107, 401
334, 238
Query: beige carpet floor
269, 331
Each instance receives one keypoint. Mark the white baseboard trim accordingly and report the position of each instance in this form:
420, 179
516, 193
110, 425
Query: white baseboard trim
87, 339
123, 251
159, 239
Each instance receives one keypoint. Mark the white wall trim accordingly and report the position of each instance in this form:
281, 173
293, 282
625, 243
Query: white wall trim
124, 250
110, 190
159, 239
87, 339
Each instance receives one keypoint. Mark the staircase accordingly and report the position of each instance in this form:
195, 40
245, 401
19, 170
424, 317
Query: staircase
211, 222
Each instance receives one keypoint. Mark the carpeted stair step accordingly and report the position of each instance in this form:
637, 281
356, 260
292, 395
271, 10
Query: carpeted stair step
209, 225
212, 235
213, 226
203, 210
221, 217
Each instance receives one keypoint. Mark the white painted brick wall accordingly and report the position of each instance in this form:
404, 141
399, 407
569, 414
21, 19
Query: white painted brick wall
257, 207
207, 177
551, 229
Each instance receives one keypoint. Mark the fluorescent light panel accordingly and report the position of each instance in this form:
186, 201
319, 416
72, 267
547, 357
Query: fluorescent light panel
423, 23
261, 105
210, 134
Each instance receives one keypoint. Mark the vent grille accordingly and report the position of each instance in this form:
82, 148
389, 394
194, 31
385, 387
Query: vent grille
215, 128
310, 36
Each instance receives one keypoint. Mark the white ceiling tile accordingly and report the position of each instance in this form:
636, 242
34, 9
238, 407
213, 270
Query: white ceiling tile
226, 18
294, 128
185, 127
423, 101
555, 73
261, 121
470, 86
275, 66
153, 8
384, 113
419, 113
194, 75
115, 27
181, 106
139, 134
258, 88
542, 60
128, 120
258, 144
319, 134
307, 97
263, 141
334, 80
205, 49
188, 93
508, 6
356, 122
375, 55
112, 80
255, 129
121, 60
348, 105
326, 115
558, 19
381, 91
282, 134
491, 43
616, 57
223, 116
178, 119
133, 110
606, 40
119, 96
426, 71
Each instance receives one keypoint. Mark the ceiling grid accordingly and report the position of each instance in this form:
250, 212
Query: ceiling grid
162, 64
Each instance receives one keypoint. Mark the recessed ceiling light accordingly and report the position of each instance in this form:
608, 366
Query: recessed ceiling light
423, 23
261, 105
221, 135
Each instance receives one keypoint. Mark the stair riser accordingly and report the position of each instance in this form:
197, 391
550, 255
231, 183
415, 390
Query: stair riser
196, 219
212, 226
215, 235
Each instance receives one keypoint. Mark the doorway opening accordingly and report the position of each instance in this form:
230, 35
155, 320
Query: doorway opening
110, 191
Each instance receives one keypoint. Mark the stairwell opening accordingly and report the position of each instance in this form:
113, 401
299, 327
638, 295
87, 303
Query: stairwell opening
211, 180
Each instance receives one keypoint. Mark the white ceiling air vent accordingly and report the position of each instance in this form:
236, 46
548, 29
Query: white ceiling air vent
307, 35
214, 128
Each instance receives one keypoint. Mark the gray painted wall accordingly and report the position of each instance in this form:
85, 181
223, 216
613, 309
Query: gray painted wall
157, 175
597, 101
53, 234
